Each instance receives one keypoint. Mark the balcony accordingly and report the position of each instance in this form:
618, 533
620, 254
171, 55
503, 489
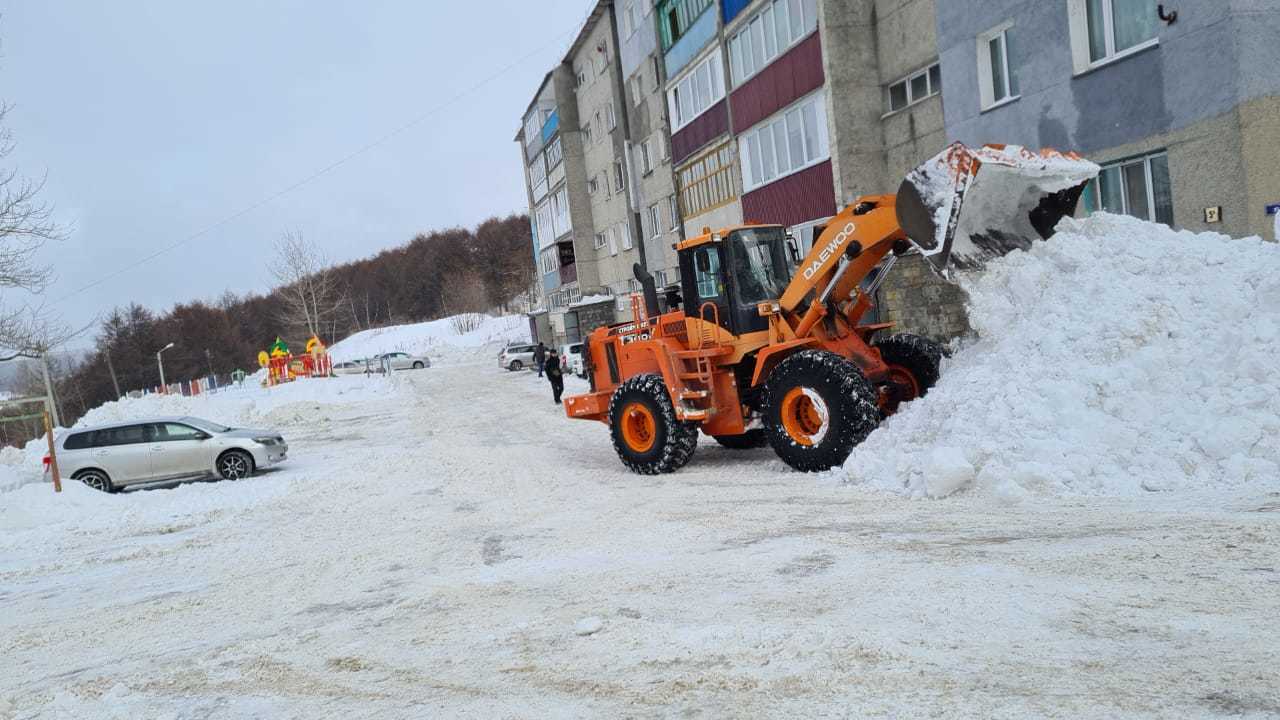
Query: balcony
568, 273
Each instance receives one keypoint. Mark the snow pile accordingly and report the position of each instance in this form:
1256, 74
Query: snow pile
1117, 358
431, 338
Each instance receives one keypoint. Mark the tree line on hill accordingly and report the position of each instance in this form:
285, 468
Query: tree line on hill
432, 276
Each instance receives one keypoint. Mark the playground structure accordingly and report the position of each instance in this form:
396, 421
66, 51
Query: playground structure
283, 366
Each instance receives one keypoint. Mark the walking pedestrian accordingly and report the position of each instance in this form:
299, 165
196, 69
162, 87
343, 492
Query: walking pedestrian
540, 357
555, 375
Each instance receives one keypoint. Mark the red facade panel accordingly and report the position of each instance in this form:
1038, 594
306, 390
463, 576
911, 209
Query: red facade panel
807, 195
701, 130
796, 74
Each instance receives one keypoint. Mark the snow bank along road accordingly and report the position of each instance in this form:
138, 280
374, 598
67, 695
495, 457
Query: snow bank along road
459, 549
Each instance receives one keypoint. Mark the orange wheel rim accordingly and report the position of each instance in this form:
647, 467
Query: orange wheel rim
803, 416
639, 429
902, 387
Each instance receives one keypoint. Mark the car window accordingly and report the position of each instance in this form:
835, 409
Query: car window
170, 432
127, 435
78, 441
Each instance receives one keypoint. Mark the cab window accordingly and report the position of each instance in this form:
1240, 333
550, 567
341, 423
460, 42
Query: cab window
708, 279
169, 432
759, 264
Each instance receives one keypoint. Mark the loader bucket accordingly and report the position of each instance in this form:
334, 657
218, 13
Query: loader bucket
964, 207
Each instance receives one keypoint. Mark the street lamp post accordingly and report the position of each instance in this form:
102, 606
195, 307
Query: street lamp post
160, 362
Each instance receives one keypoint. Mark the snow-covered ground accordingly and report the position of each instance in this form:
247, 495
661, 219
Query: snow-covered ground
444, 543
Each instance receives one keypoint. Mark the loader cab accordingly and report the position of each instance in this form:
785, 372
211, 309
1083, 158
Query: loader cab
736, 271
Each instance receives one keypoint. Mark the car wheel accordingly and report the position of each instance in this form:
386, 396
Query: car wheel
515, 366
95, 479
418, 365
235, 464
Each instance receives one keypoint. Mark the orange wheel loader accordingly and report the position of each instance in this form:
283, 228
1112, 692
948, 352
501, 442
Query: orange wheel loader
759, 346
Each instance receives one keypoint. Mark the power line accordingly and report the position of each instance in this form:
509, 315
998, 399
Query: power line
313, 176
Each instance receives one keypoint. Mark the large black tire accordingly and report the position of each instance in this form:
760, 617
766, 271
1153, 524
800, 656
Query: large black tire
648, 437
920, 357
819, 405
96, 479
756, 438
235, 465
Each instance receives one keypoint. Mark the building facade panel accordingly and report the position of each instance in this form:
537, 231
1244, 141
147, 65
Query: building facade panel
688, 46
729, 9
702, 130
794, 74
796, 198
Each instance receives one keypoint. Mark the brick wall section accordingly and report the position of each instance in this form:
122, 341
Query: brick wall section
920, 302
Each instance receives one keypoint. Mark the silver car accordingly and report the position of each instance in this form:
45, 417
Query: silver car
400, 361
516, 357
110, 457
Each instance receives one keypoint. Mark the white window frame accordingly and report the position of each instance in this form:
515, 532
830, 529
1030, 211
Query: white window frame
675, 211
655, 220
1078, 25
611, 117
765, 131
556, 150
544, 223
926, 71
1095, 187
624, 233
560, 212
538, 177
745, 35
646, 158
637, 88
593, 185
549, 259
619, 181
682, 93
586, 135
986, 83
601, 241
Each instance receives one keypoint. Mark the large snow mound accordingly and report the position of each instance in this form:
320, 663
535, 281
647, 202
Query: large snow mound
431, 338
1117, 358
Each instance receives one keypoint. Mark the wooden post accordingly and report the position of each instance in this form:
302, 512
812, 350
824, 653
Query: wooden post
53, 457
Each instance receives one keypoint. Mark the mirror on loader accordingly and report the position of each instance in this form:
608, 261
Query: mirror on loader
793, 248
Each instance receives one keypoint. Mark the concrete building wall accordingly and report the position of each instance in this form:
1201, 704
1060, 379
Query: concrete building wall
1206, 93
576, 177
854, 97
605, 154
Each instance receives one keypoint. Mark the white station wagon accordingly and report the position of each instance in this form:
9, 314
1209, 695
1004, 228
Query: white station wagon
110, 457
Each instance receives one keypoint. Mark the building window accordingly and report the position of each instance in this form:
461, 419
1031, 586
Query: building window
579, 77
554, 154
709, 181
646, 158
1139, 187
618, 181
790, 141
548, 259
624, 232
915, 87
601, 58
560, 212
655, 220
1103, 30
610, 117
543, 224
601, 240
698, 90
637, 89
997, 82
538, 177
778, 26
674, 208
675, 17
629, 22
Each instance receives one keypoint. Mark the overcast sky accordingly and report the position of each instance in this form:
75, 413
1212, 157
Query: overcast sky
154, 119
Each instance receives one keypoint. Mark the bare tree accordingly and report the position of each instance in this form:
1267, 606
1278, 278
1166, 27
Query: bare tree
310, 290
26, 224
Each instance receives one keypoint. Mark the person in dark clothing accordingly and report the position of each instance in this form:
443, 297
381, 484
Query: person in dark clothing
540, 357
555, 375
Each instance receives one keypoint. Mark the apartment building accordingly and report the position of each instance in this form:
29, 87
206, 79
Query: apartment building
650, 148
783, 111
1182, 111
703, 150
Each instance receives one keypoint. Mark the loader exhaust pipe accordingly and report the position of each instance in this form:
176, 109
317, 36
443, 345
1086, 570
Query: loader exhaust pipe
964, 207
650, 290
